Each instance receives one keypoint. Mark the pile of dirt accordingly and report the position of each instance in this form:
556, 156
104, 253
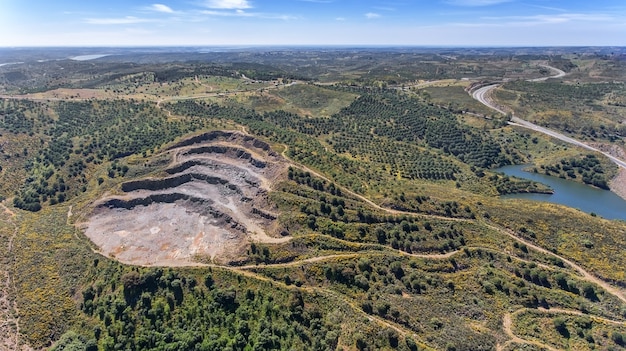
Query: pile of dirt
212, 202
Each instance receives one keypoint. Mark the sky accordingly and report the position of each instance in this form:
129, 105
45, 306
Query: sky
312, 22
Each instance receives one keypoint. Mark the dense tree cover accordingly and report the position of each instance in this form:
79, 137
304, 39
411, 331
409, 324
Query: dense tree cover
13, 119
588, 168
386, 129
93, 132
161, 309
511, 185
396, 117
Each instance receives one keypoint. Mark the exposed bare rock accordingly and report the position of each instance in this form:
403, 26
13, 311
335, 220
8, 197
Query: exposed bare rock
211, 206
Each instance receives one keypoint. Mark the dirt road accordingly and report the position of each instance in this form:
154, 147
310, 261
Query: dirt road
507, 325
363, 198
618, 293
10, 334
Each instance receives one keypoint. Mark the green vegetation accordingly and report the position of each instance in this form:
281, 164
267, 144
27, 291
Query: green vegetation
162, 309
86, 134
589, 169
311, 100
454, 98
398, 238
567, 331
375, 127
579, 109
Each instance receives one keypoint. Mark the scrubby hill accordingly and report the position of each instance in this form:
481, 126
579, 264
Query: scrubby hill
358, 217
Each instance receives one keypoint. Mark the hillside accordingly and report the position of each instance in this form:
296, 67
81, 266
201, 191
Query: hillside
184, 205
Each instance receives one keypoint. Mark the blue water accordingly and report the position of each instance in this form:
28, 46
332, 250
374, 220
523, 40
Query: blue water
566, 192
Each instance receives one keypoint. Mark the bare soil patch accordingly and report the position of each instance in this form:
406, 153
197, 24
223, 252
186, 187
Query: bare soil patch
618, 184
67, 94
211, 202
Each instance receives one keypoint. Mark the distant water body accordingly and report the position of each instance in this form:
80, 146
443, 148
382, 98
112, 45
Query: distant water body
569, 193
10, 63
88, 57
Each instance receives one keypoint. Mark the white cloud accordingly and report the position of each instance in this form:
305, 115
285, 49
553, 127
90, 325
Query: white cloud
371, 15
474, 3
121, 20
238, 13
340, 19
161, 8
242, 13
551, 19
384, 8
558, 9
228, 4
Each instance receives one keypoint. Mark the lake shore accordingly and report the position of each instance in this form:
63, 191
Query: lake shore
618, 184
587, 198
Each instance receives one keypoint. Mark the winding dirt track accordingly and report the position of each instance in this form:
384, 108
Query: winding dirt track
618, 293
482, 95
507, 325
363, 198
245, 271
10, 337
586, 275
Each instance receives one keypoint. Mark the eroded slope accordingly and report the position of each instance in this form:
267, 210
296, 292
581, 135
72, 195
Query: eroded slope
211, 202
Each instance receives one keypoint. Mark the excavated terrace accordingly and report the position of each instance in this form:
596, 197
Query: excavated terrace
210, 204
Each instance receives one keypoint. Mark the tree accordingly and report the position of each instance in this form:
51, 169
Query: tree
617, 338
561, 326
396, 269
589, 292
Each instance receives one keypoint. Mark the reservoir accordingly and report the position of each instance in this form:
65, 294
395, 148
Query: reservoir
569, 193
88, 57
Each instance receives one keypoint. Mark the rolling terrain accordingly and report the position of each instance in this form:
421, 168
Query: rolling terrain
155, 201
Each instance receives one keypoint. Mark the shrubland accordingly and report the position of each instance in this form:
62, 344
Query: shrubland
398, 237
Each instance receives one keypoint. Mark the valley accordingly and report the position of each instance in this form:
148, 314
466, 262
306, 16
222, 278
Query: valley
261, 200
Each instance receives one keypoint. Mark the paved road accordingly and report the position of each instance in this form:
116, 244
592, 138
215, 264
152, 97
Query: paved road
516, 121
483, 96
559, 74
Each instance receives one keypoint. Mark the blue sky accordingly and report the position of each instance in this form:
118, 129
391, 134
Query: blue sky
312, 22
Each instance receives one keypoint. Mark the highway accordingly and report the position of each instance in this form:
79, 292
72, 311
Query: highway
559, 74
483, 95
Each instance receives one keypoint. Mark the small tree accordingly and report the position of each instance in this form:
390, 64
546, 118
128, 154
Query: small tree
589, 292
561, 326
618, 338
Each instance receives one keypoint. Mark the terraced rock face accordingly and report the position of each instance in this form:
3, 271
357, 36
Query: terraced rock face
211, 204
